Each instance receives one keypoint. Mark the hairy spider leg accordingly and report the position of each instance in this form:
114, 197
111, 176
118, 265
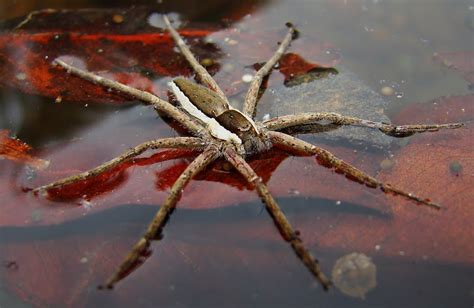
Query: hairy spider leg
170, 143
202, 73
330, 160
160, 105
292, 121
250, 102
279, 218
136, 256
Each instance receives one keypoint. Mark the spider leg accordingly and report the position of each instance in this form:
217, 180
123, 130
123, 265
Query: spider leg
252, 94
292, 121
158, 103
278, 216
178, 142
328, 159
140, 249
203, 74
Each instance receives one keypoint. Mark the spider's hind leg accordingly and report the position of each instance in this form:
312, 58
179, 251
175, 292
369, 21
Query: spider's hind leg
278, 216
300, 120
331, 161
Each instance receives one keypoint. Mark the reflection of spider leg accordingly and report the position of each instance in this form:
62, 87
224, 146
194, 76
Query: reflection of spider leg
290, 121
278, 216
159, 104
252, 94
331, 161
140, 250
203, 74
178, 142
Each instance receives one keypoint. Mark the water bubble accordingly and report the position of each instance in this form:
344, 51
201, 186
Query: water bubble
354, 274
247, 78
21, 76
117, 18
293, 192
387, 91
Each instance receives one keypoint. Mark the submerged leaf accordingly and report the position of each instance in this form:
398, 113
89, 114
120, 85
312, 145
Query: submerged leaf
16, 150
121, 51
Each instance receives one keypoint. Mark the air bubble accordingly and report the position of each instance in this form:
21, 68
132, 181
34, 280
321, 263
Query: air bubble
247, 78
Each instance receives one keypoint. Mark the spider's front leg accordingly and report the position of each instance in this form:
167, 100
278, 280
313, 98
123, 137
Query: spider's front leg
251, 97
330, 160
159, 104
203, 74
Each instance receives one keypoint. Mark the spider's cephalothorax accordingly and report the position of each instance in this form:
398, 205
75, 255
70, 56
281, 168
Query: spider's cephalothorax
220, 119
220, 131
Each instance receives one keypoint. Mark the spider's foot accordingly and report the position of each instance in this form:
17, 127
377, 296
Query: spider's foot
295, 33
410, 196
408, 130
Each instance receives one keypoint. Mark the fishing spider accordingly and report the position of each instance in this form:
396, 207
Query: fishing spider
221, 132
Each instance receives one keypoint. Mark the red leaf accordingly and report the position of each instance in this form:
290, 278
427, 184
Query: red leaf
119, 53
293, 66
16, 150
29, 67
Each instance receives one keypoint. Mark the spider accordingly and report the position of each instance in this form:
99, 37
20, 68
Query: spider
219, 131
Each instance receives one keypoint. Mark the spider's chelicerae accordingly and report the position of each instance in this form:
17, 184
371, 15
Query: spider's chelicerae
221, 132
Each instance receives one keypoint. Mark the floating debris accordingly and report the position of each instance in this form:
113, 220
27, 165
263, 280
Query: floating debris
455, 168
117, 18
21, 76
206, 62
387, 164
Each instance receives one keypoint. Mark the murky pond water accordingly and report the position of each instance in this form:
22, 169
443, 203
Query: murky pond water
220, 248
